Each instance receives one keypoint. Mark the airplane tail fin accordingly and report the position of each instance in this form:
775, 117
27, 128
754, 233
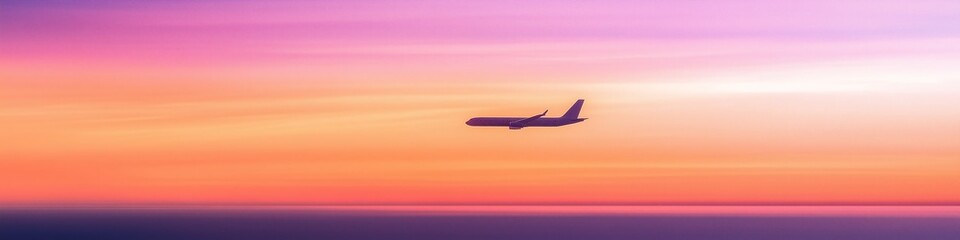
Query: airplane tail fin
574, 111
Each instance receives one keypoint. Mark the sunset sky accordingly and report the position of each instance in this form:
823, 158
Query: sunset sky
364, 102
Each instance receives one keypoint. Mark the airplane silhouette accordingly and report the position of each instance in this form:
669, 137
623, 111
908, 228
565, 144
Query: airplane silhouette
515, 123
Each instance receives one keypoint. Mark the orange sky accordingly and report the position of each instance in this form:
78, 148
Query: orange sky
370, 107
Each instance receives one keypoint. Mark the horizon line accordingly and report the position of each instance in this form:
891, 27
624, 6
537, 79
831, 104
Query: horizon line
306, 204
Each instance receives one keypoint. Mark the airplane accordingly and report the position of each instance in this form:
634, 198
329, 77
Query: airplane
516, 123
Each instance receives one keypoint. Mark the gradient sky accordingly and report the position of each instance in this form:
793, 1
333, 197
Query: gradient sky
365, 101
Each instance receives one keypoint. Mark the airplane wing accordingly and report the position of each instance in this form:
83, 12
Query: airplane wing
523, 122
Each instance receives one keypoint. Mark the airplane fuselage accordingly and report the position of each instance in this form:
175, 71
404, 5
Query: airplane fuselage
570, 117
505, 121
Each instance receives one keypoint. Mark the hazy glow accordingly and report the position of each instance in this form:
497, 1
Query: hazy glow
364, 102
594, 210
